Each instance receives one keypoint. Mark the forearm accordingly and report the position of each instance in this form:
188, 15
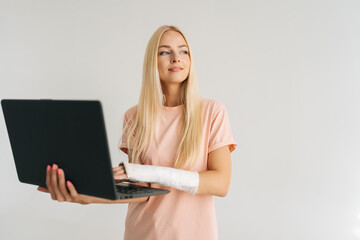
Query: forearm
213, 182
187, 181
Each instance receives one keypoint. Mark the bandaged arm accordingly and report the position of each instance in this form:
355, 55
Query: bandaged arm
187, 181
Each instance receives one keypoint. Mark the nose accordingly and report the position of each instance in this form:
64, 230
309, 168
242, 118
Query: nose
175, 58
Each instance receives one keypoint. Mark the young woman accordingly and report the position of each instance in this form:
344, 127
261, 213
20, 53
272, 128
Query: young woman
175, 140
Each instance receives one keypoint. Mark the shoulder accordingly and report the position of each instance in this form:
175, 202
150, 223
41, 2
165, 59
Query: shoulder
130, 112
212, 106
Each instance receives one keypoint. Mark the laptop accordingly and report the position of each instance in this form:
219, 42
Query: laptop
72, 134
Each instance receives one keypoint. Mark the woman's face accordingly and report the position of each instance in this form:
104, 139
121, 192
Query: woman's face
173, 58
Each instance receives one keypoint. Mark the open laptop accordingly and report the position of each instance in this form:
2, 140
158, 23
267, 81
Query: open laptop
72, 134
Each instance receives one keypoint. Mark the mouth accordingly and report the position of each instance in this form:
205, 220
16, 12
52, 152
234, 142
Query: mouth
175, 69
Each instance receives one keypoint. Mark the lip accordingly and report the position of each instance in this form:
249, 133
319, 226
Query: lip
176, 69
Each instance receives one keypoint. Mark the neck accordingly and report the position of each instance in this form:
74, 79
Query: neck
172, 94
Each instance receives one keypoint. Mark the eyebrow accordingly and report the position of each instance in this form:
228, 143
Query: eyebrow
167, 46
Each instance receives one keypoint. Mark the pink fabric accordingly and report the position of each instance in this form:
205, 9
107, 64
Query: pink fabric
178, 214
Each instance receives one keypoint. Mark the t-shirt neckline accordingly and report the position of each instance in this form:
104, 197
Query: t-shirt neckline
175, 108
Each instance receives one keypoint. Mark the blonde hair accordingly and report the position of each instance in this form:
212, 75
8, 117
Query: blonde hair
142, 128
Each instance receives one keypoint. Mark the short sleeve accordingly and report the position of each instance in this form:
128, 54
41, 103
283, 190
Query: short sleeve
220, 130
123, 146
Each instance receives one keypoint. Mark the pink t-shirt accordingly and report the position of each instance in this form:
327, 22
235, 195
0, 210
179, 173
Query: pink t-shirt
179, 215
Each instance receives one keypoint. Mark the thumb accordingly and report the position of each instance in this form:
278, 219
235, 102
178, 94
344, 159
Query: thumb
43, 189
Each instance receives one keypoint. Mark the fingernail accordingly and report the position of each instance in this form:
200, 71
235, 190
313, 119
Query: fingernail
59, 171
54, 166
68, 183
48, 168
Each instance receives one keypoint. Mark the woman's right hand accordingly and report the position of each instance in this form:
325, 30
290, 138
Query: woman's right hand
119, 173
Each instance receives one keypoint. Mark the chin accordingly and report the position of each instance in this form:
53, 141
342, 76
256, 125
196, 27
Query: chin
174, 80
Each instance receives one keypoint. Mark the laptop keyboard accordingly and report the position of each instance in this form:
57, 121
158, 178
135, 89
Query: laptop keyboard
132, 190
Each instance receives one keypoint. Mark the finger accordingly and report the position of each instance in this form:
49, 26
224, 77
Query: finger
118, 171
43, 189
141, 184
115, 169
79, 198
73, 193
48, 182
62, 187
121, 178
121, 168
55, 184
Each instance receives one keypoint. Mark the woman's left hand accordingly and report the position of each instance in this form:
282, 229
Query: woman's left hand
120, 174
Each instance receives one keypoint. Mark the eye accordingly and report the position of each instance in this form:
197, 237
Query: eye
184, 52
163, 53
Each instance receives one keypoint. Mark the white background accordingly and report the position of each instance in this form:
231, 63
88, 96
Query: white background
288, 73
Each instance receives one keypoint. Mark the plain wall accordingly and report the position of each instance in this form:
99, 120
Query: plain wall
287, 71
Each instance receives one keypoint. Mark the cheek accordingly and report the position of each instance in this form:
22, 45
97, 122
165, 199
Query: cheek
188, 63
187, 59
162, 69
161, 65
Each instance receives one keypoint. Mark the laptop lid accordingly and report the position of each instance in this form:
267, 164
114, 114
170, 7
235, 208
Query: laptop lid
70, 133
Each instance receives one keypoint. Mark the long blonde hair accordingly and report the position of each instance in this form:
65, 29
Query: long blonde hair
141, 129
